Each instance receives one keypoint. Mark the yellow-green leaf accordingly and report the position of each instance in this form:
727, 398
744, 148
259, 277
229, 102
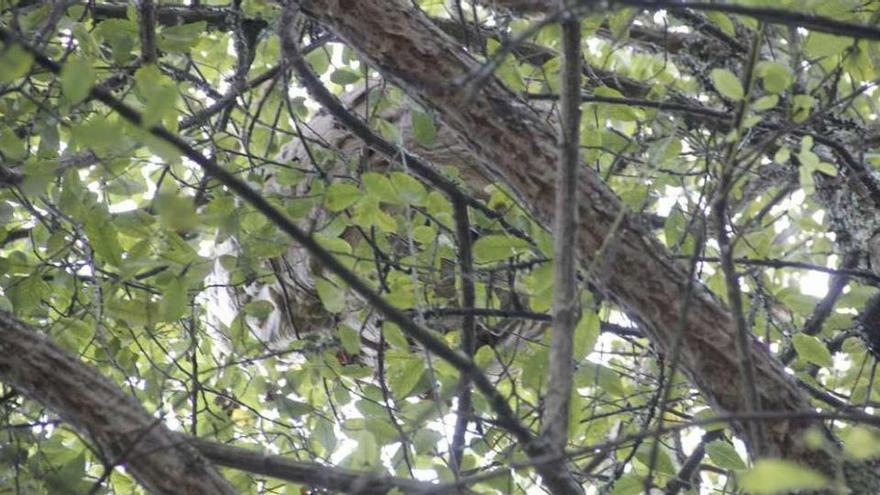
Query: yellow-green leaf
77, 78
724, 455
340, 196
15, 62
497, 247
811, 349
727, 84
332, 297
777, 476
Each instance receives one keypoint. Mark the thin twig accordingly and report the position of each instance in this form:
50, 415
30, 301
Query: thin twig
566, 307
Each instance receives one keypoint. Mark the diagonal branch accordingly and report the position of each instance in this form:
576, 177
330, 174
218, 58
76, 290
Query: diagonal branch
162, 461
94, 405
560, 481
516, 144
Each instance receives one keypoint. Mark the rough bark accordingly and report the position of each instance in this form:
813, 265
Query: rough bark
515, 143
124, 432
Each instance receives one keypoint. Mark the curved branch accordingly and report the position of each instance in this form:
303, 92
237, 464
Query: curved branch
123, 430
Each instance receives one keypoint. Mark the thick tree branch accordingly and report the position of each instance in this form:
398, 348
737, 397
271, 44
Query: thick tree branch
559, 481
521, 148
161, 460
126, 434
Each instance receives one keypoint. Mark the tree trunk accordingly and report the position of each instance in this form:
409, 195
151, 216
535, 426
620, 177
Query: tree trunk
632, 266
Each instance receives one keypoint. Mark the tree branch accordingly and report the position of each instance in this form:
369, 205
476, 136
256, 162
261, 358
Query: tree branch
566, 307
520, 147
468, 326
310, 473
506, 418
770, 15
120, 426
147, 25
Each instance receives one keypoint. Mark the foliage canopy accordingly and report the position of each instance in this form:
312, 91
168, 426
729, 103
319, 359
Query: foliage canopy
731, 145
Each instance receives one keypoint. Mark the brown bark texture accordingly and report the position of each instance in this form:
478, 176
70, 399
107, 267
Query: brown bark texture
123, 431
521, 148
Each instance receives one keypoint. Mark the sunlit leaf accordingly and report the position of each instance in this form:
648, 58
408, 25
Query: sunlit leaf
497, 247
777, 476
15, 62
812, 349
724, 455
77, 78
727, 84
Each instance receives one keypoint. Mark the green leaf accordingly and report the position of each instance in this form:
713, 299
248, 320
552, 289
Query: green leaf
630, 484
409, 190
12, 147
625, 113
379, 186
369, 214
394, 335
77, 78
158, 94
174, 300
15, 63
662, 464
811, 349
775, 76
100, 134
176, 212
367, 453
802, 105
103, 238
344, 76
259, 309
777, 476
293, 408
403, 379
586, 333
350, 339
861, 443
826, 45
724, 455
181, 38
727, 84
423, 128
26, 294
723, 22
121, 35
340, 196
332, 297
592, 374
765, 103
492, 248
319, 60
135, 312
